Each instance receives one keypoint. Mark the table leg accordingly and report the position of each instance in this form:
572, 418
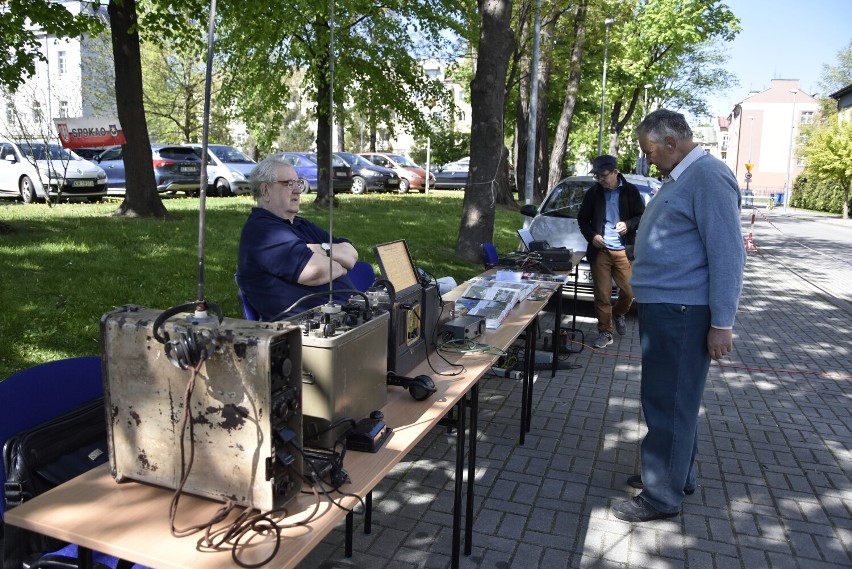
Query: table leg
471, 467
84, 558
349, 529
557, 330
368, 512
526, 378
459, 484
532, 332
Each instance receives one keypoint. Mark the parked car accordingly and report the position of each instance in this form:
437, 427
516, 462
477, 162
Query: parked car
34, 170
306, 169
555, 221
176, 169
411, 176
367, 176
340, 170
228, 169
452, 176
87, 153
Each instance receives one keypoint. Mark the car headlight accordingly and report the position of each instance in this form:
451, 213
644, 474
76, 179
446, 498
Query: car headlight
102, 175
238, 176
50, 173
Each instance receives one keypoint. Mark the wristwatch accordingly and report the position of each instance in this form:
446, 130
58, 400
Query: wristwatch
327, 248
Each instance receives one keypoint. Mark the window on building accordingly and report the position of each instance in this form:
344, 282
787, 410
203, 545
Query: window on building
37, 114
807, 117
10, 112
63, 109
800, 161
62, 62
432, 73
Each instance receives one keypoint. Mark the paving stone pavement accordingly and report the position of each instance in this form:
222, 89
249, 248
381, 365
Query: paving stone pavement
775, 457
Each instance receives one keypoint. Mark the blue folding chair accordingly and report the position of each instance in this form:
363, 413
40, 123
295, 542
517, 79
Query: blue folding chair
489, 255
362, 275
249, 313
38, 394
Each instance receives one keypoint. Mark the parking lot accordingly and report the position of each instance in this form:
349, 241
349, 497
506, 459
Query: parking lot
775, 458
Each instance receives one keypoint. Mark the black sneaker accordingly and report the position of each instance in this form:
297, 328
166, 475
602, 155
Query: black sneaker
620, 324
638, 510
603, 340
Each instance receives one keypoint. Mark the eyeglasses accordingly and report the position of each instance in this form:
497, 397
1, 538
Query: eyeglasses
602, 175
289, 184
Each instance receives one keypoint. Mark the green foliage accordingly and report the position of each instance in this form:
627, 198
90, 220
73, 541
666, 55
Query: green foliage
829, 160
809, 192
64, 267
836, 77
18, 39
446, 146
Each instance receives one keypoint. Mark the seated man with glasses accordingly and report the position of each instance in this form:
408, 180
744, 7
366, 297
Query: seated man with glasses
608, 218
282, 256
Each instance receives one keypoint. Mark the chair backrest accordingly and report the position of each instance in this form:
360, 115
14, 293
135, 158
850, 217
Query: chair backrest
489, 255
362, 275
249, 313
40, 393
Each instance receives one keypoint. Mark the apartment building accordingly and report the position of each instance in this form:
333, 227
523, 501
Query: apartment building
765, 130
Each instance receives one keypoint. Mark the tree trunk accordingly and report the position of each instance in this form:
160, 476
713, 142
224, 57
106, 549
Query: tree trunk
140, 198
496, 42
323, 85
569, 103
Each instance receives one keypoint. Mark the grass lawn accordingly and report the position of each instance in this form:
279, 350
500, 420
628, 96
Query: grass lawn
64, 267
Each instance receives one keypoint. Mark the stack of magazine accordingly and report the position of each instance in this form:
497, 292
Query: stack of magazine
493, 299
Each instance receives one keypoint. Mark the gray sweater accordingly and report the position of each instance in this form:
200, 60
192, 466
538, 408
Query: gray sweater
689, 246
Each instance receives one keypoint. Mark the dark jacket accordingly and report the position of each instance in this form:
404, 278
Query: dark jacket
593, 209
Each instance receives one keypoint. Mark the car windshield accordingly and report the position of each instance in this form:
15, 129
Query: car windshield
230, 155
335, 161
354, 159
42, 151
403, 161
565, 199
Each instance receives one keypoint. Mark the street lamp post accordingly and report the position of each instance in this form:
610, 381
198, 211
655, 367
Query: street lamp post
607, 23
790, 151
642, 161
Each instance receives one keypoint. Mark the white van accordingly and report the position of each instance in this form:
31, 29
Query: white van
228, 170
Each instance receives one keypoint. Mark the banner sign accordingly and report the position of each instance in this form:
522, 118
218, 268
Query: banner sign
86, 133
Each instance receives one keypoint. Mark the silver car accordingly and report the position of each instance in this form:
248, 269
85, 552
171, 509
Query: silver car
555, 221
34, 170
228, 170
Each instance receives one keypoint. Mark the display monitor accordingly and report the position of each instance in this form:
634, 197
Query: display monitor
396, 266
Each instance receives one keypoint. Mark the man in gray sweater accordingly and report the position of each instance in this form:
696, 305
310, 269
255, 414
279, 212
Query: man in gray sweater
687, 278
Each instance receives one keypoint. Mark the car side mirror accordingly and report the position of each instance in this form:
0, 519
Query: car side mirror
11, 158
529, 210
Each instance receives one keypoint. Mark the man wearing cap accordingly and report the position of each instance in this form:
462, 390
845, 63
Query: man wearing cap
608, 218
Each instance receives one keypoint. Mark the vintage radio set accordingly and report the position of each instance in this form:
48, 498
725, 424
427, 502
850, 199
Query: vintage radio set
414, 307
246, 404
344, 368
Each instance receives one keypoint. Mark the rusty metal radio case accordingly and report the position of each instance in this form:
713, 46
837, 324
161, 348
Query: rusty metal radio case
246, 407
344, 370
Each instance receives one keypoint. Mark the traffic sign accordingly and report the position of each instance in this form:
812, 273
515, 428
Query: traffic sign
748, 176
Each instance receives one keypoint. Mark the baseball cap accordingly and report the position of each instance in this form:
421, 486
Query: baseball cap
605, 163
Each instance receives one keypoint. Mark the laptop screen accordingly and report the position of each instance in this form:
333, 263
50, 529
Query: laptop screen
396, 266
526, 237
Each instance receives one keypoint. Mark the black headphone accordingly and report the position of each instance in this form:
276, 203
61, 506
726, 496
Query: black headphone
420, 387
191, 346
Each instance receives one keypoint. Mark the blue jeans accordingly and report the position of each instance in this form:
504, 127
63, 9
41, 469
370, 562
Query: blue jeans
675, 363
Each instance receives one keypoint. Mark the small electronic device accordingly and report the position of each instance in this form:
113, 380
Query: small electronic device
369, 434
465, 327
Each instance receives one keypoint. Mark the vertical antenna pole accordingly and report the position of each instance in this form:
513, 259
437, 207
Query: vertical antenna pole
331, 146
201, 304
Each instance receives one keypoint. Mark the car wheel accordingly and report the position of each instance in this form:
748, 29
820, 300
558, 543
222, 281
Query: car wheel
28, 194
359, 186
404, 185
304, 186
223, 188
